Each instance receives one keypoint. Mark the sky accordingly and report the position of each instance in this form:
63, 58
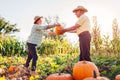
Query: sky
22, 12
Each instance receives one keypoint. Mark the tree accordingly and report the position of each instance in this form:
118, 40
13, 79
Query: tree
6, 27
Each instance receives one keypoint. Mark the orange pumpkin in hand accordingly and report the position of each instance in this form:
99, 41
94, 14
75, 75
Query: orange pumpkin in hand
57, 29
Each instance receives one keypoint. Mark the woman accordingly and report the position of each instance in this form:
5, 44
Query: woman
35, 39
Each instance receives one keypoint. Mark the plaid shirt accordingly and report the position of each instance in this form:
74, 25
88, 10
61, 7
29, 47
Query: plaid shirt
36, 36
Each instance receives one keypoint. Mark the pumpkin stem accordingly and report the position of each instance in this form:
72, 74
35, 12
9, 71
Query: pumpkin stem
84, 61
94, 74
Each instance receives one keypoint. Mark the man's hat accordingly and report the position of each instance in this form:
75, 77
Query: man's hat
80, 8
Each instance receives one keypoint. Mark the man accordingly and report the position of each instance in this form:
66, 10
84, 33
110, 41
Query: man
82, 28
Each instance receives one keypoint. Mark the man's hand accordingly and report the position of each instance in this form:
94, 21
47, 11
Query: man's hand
62, 31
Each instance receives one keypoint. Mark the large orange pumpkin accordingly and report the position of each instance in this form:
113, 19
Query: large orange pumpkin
95, 77
59, 76
117, 77
84, 69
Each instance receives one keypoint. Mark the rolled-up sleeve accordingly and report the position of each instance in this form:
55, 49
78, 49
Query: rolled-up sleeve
43, 27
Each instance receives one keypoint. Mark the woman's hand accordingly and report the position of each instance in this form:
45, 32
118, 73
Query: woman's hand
57, 24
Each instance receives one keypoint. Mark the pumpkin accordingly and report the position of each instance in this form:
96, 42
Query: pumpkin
84, 69
117, 77
11, 69
57, 29
95, 77
59, 76
98, 78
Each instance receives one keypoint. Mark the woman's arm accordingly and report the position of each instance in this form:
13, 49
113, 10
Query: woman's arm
52, 26
39, 28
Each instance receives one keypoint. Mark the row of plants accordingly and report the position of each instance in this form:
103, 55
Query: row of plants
57, 46
11, 46
50, 64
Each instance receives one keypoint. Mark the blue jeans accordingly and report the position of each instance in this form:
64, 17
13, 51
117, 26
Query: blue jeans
84, 44
32, 55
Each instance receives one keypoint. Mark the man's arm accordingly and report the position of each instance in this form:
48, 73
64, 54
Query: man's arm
73, 31
70, 28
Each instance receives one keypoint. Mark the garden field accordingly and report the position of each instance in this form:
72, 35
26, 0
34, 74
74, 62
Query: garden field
50, 64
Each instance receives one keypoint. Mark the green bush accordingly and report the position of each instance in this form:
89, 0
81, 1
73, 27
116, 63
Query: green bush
56, 47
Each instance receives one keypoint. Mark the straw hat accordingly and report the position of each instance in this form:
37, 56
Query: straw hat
80, 8
37, 18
